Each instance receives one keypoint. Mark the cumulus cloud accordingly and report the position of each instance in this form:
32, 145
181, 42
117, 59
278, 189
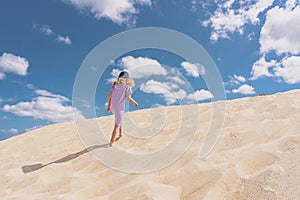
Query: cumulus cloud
244, 89
236, 80
262, 68
172, 94
231, 16
30, 86
2, 76
10, 63
118, 11
63, 39
200, 95
46, 106
280, 34
46, 93
193, 69
144, 2
139, 67
177, 79
46, 30
240, 79
165, 82
10, 131
164, 89
281, 30
289, 70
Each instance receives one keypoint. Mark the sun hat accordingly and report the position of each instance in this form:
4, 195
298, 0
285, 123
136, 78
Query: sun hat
124, 74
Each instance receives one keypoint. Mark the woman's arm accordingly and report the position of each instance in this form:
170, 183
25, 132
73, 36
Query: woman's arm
108, 101
130, 99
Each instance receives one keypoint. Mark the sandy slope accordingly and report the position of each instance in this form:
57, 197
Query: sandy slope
257, 157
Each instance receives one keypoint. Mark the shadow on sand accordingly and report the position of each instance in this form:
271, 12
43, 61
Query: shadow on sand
31, 168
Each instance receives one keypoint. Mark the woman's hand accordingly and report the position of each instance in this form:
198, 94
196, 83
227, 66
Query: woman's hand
130, 99
108, 108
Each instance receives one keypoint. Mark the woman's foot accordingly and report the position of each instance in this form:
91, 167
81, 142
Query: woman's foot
118, 137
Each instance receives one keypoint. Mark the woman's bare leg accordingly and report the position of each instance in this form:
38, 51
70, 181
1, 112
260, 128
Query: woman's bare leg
114, 135
120, 132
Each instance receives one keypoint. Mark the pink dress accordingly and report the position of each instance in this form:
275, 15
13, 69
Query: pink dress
120, 93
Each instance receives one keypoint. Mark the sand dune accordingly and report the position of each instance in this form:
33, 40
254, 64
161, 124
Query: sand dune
256, 157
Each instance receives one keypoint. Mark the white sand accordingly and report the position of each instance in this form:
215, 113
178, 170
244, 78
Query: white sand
256, 157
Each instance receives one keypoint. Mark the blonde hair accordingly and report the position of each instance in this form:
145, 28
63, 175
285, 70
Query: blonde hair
127, 81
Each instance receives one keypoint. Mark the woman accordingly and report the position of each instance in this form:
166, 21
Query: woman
120, 91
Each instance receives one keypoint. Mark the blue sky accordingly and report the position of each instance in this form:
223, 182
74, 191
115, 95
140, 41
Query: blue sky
255, 45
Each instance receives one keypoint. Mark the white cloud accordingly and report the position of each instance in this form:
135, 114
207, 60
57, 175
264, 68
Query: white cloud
180, 94
119, 11
290, 4
236, 80
10, 63
63, 39
201, 6
144, 2
34, 127
200, 95
171, 94
115, 73
289, 70
171, 89
14, 130
244, 89
281, 30
2, 76
45, 93
262, 68
164, 89
280, 34
82, 102
240, 79
140, 67
194, 5
10, 131
250, 36
177, 80
46, 30
30, 86
47, 106
229, 18
193, 69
